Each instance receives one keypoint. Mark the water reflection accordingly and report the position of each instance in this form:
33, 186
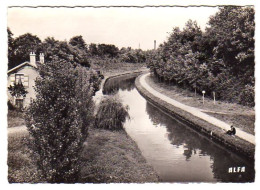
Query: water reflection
178, 153
194, 144
126, 82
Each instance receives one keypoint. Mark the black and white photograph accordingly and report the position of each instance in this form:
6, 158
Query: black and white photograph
120, 93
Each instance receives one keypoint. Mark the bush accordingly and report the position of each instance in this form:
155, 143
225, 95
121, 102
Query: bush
247, 96
58, 120
10, 106
111, 113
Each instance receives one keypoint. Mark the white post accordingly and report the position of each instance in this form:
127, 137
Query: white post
214, 98
203, 92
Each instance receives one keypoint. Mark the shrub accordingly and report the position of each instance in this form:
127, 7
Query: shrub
17, 90
247, 96
10, 106
111, 113
58, 119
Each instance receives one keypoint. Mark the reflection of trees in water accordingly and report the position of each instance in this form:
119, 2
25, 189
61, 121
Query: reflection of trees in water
113, 85
195, 143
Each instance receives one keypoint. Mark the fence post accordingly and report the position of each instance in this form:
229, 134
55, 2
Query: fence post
214, 97
203, 92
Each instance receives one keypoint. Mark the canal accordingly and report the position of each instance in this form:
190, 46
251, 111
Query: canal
176, 151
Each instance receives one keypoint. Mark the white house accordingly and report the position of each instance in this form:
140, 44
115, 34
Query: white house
25, 73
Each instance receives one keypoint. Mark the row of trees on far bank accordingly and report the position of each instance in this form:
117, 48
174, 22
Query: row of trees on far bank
74, 51
219, 60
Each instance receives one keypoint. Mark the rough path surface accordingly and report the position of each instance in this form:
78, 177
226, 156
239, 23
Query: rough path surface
17, 129
196, 112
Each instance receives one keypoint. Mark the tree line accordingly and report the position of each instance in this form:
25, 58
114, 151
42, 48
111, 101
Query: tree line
75, 50
219, 59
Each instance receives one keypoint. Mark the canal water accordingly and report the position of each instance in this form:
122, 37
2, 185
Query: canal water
176, 152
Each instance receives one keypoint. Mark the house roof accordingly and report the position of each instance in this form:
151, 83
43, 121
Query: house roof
21, 65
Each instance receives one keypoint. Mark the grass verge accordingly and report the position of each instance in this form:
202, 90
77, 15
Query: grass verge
108, 157
15, 118
120, 68
20, 167
113, 157
234, 114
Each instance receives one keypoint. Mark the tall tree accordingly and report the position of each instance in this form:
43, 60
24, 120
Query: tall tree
58, 121
93, 49
22, 46
65, 51
10, 49
232, 31
79, 42
107, 50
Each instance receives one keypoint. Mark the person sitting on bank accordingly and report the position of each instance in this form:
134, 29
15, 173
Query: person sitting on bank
232, 130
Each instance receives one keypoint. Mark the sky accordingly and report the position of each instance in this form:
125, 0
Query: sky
123, 27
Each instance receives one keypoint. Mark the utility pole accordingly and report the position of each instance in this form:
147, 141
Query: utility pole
154, 44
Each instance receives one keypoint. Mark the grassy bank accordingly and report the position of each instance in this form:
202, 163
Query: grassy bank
235, 144
20, 166
108, 157
240, 116
110, 69
113, 157
15, 118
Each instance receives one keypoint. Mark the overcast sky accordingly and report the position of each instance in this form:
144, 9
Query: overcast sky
123, 27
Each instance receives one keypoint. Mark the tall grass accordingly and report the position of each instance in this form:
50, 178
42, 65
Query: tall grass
21, 169
15, 118
111, 113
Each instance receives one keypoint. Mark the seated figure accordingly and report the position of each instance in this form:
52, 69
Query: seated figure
232, 131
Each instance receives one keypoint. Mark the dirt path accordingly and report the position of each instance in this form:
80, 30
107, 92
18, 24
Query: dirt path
196, 112
18, 129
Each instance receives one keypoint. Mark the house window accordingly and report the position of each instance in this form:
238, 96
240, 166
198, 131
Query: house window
19, 103
19, 78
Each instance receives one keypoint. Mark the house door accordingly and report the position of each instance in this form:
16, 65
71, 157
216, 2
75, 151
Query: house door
19, 103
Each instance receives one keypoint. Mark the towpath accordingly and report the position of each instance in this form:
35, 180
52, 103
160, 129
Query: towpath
196, 112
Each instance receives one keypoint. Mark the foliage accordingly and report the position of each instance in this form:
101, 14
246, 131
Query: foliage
95, 80
232, 28
247, 96
76, 51
20, 48
111, 114
103, 50
17, 90
219, 60
93, 49
59, 118
130, 55
79, 42
73, 54
10, 106
10, 48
